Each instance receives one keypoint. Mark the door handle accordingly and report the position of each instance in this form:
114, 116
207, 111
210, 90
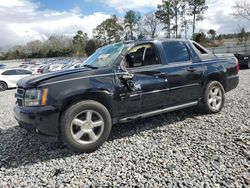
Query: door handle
161, 75
191, 69
127, 76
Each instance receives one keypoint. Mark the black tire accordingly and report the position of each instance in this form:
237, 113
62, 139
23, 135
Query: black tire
248, 65
210, 95
3, 86
76, 112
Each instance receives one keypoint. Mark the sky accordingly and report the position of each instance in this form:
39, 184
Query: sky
26, 20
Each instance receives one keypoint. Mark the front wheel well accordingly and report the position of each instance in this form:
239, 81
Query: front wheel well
98, 97
3, 82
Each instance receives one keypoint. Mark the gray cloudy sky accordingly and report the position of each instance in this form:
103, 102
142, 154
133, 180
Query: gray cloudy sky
25, 20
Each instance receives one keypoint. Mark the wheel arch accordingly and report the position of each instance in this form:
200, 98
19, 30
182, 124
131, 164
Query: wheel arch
102, 97
217, 76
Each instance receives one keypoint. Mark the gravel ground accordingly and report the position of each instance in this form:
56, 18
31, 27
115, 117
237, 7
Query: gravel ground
179, 149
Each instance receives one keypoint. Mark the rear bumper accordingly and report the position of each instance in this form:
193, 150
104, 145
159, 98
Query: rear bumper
232, 82
40, 120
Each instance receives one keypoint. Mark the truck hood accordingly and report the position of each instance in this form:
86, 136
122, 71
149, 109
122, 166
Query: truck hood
34, 80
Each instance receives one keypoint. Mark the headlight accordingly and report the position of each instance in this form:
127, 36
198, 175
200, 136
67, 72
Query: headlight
36, 97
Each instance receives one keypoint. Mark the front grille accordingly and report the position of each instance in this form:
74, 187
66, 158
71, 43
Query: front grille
19, 102
20, 96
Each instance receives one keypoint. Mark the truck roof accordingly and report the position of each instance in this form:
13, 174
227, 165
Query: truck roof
154, 40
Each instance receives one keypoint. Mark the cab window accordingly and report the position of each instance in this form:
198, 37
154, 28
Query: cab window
200, 49
176, 51
141, 55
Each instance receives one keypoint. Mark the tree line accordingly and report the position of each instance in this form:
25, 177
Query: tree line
174, 18
56, 46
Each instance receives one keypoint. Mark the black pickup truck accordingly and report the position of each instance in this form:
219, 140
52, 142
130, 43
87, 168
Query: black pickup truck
244, 60
119, 83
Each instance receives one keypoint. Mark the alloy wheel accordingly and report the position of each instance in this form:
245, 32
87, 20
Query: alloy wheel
87, 127
215, 98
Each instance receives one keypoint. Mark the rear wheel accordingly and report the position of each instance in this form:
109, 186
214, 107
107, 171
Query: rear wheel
213, 98
85, 126
3, 86
248, 65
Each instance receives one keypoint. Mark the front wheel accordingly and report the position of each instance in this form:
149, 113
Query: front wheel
85, 126
213, 97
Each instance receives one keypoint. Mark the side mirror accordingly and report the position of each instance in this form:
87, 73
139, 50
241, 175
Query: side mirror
123, 65
127, 75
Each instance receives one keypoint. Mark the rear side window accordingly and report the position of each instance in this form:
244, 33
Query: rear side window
199, 48
176, 51
9, 72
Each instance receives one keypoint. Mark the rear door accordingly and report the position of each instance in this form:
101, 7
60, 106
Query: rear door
184, 77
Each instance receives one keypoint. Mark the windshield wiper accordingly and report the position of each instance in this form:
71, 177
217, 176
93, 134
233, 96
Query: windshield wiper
90, 66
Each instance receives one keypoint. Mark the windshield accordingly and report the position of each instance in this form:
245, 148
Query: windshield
104, 56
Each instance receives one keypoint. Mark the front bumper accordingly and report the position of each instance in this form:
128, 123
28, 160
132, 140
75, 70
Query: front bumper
40, 120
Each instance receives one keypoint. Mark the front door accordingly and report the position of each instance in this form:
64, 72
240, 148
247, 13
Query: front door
147, 87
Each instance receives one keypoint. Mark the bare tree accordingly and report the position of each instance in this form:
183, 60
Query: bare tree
170, 14
212, 34
109, 31
196, 10
177, 6
151, 22
242, 9
242, 35
131, 20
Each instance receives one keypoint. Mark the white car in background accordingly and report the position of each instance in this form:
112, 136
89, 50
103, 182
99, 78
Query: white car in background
58, 68
10, 77
54, 66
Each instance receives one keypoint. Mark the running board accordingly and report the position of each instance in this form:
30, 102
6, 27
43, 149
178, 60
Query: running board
156, 112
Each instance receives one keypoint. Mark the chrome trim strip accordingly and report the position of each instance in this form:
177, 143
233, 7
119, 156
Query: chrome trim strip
149, 92
156, 112
71, 79
159, 66
162, 90
170, 65
135, 70
155, 91
183, 86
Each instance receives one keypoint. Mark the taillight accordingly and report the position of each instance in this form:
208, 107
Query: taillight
237, 65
